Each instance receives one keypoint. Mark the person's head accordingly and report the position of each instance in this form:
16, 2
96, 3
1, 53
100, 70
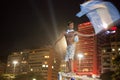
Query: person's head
70, 25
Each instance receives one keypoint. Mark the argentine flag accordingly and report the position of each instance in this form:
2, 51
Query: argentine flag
101, 14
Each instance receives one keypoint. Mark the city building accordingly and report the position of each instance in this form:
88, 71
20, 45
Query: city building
87, 60
17, 63
106, 58
13, 63
115, 40
44, 62
2, 67
110, 49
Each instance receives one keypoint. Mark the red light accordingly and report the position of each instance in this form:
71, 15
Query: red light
114, 28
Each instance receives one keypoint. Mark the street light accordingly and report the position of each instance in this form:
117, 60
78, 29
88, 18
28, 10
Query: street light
15, 63
80, 56
34, 78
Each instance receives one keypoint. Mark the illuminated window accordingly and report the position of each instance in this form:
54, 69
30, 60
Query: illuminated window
24, 62
104, 51
118, 49
85, 53
43, 65
45, 62
85, 70
52, 67
113, 49
46, 65
113, 58
54, 61
21, 52
63, 65
31, 69
46, 56
8, 65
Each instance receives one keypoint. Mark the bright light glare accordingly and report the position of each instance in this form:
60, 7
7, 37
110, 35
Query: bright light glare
118, 49
105, 25
34, 79
15, 62
80, 55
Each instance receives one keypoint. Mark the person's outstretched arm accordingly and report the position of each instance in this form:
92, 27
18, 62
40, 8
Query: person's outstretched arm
84, 35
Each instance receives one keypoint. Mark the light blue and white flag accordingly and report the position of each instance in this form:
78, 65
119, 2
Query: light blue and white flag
101, 14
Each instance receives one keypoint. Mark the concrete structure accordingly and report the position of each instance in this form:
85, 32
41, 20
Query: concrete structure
106, 58
89, 47
43, 61
110, 49
11, 67
2, 67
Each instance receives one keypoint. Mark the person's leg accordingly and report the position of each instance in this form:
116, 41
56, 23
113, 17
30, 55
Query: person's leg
69, 57
67, 67
71, 65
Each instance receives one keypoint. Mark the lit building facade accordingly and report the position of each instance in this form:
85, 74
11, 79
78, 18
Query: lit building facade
14, 68
43, 61
17, 63
110, 49
106, 58
115, 41
89, 47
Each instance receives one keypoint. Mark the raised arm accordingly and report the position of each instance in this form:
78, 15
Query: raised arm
85, 35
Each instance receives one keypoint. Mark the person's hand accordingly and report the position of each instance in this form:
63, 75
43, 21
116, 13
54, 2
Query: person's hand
92, 34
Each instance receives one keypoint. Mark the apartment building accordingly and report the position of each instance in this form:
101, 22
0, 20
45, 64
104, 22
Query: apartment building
43, 61
88, 62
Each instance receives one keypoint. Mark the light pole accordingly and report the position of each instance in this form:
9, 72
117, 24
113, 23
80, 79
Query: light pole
80, 56
14, 63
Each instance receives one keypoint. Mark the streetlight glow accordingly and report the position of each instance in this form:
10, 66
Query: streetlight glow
34, 78
80, 55
15, 63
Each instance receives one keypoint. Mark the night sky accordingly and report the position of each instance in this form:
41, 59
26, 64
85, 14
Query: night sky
28, 24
